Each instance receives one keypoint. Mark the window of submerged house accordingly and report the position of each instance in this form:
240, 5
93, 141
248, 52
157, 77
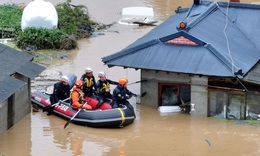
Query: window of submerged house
172, 94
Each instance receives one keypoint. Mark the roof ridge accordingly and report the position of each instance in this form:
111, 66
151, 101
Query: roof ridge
200, 17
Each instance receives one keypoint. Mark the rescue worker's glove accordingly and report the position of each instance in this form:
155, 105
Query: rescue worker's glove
127, 96
119, 96
134, 94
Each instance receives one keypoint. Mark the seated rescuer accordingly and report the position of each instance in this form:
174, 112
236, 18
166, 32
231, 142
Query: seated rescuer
61, 91
121, 94
77, 96
103, 88
89, 82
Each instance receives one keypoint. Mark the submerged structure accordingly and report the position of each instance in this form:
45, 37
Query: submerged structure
206, 55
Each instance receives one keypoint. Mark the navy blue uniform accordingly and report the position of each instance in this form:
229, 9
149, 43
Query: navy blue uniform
89, 85
120, 97
103, 90
60, 92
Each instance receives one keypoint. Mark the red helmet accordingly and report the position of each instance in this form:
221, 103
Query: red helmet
78, 83
123, 81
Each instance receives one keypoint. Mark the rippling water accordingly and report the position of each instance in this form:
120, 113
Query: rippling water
152, 133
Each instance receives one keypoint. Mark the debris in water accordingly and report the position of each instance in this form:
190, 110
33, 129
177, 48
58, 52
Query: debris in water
241, 122
208, 142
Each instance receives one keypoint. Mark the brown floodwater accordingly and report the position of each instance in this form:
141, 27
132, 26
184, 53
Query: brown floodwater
152, 133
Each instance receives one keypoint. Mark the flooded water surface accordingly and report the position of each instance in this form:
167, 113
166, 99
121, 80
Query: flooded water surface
152, 133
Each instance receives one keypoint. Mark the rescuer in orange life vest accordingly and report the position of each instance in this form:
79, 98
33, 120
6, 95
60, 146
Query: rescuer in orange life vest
77, 96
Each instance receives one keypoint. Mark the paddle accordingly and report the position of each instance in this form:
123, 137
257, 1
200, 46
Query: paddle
47, 93
136, 82
141, 95
53, 105
82, 107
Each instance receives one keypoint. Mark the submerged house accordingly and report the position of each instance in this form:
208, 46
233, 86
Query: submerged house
17, 70
206, 55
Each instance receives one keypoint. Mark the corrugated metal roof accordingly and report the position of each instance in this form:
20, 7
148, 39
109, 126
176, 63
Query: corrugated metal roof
227, 35
13, 61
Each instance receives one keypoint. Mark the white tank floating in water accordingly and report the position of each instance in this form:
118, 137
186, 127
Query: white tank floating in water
39, 14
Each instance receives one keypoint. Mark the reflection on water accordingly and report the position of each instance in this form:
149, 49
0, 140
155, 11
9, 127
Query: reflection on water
152, 133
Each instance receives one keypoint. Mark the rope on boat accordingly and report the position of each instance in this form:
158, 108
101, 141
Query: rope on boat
123, 117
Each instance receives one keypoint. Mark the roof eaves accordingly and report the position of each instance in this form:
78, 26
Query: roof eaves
30, 69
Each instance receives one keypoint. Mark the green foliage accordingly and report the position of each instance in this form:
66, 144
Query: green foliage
74, 19
42, 38
10, 20
74, 23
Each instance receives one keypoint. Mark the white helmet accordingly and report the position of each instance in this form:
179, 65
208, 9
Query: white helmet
88, 70
101, 74
65, 79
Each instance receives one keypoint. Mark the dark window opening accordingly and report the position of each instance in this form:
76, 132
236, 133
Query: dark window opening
173, 94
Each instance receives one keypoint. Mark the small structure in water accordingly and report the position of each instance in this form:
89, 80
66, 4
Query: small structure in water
137, 16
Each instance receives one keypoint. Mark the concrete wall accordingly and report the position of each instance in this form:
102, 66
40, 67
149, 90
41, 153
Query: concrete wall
22, 105
3, 116
16, 107
151, 86
199, 96
199, 92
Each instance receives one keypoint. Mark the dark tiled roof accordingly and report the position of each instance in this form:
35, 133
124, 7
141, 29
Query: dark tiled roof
13, 61
8, 86
226, 35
